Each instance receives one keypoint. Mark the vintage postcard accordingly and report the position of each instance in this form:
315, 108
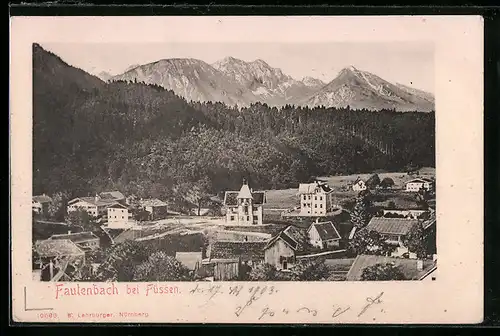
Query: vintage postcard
247, 169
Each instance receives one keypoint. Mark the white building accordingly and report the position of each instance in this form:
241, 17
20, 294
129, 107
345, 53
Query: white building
95, 206
315, 199
416, 184
244, 207
118, 216
359, 185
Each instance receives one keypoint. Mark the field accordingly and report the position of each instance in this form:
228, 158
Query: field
277, 200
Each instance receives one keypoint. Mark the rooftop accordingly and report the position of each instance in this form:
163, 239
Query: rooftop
42, 199
231, 197
397, 226
291, 235
236, 249
152, 203
420, 179
57, 248
407, 266
94, 201
310, 188
326, 230
112, 195
77, 237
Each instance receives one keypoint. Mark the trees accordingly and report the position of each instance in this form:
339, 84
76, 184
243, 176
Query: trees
82, 219
263, 272
161, 267
361, 214
387, 183
382, 272
373, 181
416, 241
121, 261
368, 242
303, 270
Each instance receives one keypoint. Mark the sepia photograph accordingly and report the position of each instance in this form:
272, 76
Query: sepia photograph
236, 161
239, 169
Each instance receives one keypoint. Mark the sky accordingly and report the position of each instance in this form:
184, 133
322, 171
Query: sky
410, 63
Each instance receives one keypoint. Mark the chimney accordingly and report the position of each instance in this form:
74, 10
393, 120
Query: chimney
420, 265
317, 220
69, 231
97, 198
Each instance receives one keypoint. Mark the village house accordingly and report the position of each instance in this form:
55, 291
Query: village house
118, 216
56, 258
244, 207
359, 185
116, 196
413, 269
323, 235
229, 258
87, 241
393, 230
281, 251
40, 204
157, 209
315, 199
416, 184
95, 206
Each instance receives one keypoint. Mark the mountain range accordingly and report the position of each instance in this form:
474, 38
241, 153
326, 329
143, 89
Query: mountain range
237, 82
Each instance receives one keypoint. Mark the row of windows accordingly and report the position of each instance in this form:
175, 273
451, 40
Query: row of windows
315, 197
115, 217
232, 218
306, 205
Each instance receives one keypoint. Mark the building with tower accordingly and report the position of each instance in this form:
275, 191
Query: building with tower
244, 207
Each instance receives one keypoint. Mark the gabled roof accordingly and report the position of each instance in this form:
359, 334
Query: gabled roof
237, 249
231, 198
58, 248
154, 202
92, 200
419, 179
287, 236
42, 199
310, 188
77, 237
407, 266
358, 179
191, 260
326, 230
112, 195
117, 205
397, 226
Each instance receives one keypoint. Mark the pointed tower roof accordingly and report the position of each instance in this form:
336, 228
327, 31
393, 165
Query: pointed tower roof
245, 191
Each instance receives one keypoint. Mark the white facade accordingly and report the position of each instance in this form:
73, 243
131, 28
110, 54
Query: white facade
84, 205
315, 239
314, 200
417, 184
359, 186
118, 217
244, 209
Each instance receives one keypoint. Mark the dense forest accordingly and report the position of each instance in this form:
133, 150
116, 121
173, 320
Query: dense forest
89, 135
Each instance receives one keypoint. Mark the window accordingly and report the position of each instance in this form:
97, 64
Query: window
315, 198
285, 264
122, 217
309, 197
232, 218
304, 205
245, 209
321, 205
248, 218
255, 218
304, 197
315, 205
321, 198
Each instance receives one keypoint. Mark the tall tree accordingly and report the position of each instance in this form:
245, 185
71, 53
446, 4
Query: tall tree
161, 267
368, 242
382, 272
416, 241
81, 218
361, 214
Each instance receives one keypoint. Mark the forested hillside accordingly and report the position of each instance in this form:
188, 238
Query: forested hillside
90, 135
